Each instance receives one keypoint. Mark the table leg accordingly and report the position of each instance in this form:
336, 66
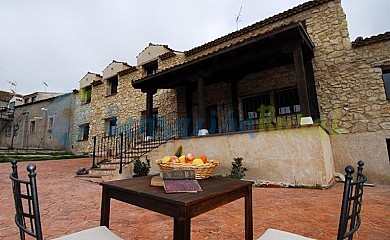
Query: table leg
105, 208
248, 215
182, 228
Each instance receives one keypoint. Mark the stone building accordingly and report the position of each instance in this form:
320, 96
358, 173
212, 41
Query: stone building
253, 88
80, 140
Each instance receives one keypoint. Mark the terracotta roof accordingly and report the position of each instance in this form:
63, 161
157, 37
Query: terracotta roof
167, 55
162, 45
227, 47
98, 75
125, 63
360, 41
97, 82
5, 96
275, 18
127, 71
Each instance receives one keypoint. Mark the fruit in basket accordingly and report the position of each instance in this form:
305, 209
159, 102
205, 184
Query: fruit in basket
179, 151
166, 159
190, 157
204, 158
182, 159
174, 159
197, 161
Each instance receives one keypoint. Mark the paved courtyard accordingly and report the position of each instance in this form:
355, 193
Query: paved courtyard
69, 204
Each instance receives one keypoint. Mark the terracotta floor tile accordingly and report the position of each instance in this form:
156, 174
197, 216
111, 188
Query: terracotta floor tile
69, 204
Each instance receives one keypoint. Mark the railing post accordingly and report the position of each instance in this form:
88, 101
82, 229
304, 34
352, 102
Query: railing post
121, 154
94, 151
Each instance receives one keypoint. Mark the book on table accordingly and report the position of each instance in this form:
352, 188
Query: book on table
177, 181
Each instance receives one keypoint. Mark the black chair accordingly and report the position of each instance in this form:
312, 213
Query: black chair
350, 209
27, 216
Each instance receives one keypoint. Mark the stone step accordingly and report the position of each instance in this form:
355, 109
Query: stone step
102, 171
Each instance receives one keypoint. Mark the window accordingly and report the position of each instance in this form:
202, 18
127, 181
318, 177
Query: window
86, 94
8, 131
386, 80
151, 68
251, 106
113, 85
50, 123
111, 126
32, 126
84, 131
287, 102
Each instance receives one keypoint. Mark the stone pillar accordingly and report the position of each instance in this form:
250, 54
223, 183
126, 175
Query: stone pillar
301, 80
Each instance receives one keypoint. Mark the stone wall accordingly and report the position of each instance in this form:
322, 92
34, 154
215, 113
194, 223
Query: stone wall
128, 103
82, 115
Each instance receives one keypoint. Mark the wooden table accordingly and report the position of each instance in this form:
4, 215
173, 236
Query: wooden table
181, 206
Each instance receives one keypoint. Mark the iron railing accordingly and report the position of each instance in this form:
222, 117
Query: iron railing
132, 140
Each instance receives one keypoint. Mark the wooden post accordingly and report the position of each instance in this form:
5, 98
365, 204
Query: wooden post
300, 76
149, 112
189, 115
201, 103
234, 93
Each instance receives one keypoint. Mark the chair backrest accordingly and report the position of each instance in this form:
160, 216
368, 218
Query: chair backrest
27, 216
352, 202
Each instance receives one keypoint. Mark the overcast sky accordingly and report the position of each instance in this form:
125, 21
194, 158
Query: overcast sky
58, 42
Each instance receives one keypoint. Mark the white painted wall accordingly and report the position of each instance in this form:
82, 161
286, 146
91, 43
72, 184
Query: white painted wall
301, 156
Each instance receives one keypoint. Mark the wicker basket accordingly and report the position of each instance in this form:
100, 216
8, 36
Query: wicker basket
202, 171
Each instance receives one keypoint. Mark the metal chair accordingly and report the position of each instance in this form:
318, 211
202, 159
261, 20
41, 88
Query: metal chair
350, 209
27, 216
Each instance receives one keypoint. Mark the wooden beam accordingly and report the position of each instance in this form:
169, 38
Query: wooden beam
300, 76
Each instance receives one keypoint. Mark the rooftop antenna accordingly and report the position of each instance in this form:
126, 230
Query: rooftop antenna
44, 83
238, 17
13, 85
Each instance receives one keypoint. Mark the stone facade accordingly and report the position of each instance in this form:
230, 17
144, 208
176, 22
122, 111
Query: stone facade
348, 81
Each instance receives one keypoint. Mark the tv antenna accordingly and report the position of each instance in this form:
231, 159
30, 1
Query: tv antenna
13, 86
238, 17
46, 85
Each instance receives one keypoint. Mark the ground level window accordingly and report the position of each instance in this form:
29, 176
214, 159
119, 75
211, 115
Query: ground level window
251, 106
386, 80
287, 102
84, 131
388, 147
111, 125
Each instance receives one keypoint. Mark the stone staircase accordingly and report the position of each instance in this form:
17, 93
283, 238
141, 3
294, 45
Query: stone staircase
108, 169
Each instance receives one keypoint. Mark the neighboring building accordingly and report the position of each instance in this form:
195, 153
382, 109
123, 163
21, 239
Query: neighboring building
37, 96
44, 123
8, 101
